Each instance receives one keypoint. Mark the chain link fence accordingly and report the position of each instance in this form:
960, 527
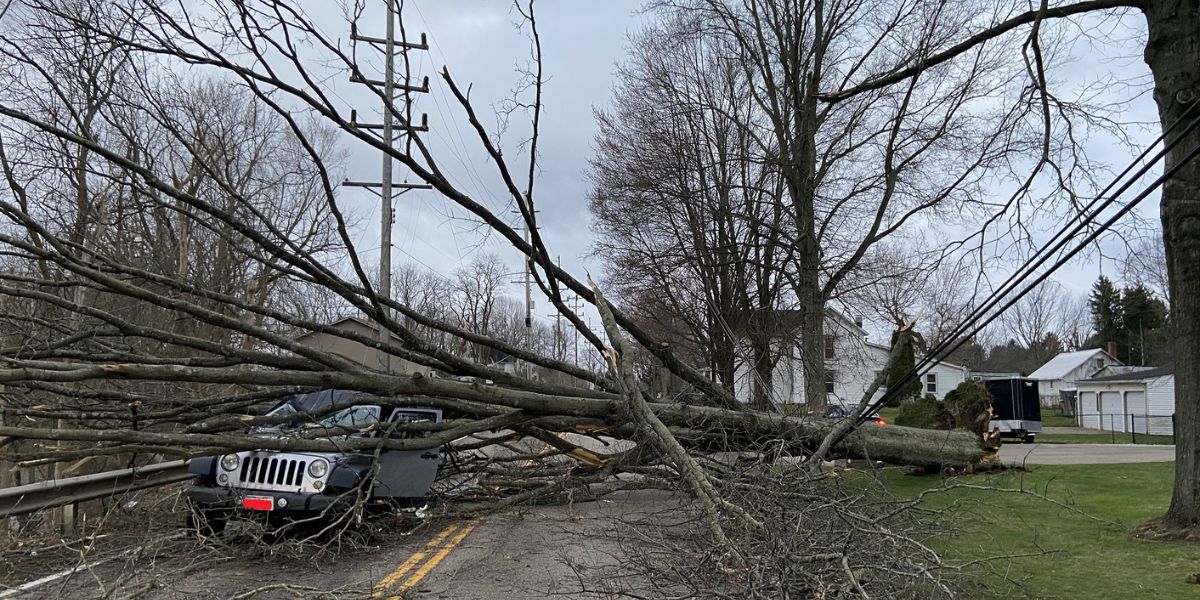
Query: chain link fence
1150, 428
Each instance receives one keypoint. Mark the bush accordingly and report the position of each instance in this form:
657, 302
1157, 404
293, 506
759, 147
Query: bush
967, 406
925, 412
897, 370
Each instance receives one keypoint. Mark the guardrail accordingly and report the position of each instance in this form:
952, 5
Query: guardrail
24, 499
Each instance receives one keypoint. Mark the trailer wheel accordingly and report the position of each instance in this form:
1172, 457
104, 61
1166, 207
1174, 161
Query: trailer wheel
1029, 438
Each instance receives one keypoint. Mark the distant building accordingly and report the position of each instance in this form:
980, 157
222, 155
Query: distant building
1060, 373
986, 375
1120, 370
338, 345
851, 362
357, 352
1140, 401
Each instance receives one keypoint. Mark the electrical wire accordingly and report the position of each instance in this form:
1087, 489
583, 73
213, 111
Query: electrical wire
957, 339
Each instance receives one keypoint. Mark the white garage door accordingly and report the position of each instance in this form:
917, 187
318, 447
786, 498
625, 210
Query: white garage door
1087, 412
1136, 403
1112, 411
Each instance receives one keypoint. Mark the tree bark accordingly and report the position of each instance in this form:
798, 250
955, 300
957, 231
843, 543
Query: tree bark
1173, 53
763, 363
892, 444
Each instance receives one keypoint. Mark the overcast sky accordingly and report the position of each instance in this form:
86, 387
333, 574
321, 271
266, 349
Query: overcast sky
582, 42
480, 44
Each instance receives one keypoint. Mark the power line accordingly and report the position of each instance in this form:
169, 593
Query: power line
952, 343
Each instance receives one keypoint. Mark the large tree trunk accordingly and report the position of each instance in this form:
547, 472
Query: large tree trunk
812, 340
763, 362
1173, 54
809, 296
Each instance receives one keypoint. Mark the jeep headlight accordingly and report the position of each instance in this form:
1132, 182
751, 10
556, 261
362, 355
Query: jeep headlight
318, 468
230, 462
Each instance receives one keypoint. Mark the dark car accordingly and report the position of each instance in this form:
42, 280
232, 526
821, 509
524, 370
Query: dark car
838, 411
306, 483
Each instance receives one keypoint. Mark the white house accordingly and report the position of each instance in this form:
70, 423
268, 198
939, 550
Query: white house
1138, 401
937, 378
1060, 373
851, 364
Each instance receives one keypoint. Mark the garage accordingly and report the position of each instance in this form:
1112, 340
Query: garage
1140, 401
1135, 404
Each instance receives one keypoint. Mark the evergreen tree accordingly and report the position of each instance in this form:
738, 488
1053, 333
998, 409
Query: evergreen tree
904, 363
1142, 317
1107, 316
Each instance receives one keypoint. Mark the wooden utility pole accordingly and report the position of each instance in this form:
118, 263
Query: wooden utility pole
387, 188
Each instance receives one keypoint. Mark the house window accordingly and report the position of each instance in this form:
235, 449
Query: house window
829, 347
931, 383
829, 377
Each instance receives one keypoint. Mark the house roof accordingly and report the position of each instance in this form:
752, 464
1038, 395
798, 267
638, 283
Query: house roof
784, 322
1059, 366
1134, 376
887, 350
340, 324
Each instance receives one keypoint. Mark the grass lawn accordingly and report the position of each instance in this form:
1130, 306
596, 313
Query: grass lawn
1105, 437
1054, 419
889, 413
1086, 559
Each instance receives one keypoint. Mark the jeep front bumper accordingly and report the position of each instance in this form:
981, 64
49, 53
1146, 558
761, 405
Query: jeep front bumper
208, 497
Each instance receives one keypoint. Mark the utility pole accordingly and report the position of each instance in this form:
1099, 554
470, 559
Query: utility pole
528, 283
387, 188
559, 338
528, 272
576, 303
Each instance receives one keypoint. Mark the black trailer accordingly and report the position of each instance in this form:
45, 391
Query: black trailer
1016, 411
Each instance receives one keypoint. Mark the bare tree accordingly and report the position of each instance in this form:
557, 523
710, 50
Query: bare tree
688, 218
1075, 325
856, 173
1037, 317
1146, 264
1172, 27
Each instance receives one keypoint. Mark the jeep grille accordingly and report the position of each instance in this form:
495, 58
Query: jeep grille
272, 471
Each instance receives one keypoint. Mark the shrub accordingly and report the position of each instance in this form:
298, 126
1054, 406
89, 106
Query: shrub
967, 406
903, 364
926, 412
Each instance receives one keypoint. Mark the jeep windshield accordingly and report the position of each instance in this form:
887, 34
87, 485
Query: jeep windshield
352, 418
298, 412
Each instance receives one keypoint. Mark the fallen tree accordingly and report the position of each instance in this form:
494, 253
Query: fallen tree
119, 335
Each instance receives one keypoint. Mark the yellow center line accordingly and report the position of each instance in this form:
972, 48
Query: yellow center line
420, 573
417, 557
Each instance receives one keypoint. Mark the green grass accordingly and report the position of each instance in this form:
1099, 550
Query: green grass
889, 413
1088, 559
1105, 437
1054, 419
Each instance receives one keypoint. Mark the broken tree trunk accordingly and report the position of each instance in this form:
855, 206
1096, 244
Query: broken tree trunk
892, 444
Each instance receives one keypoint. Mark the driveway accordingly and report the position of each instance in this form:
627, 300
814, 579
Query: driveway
1084, 454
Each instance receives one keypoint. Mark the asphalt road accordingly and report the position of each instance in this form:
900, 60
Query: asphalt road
1083, 454
580, 550
571, 551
